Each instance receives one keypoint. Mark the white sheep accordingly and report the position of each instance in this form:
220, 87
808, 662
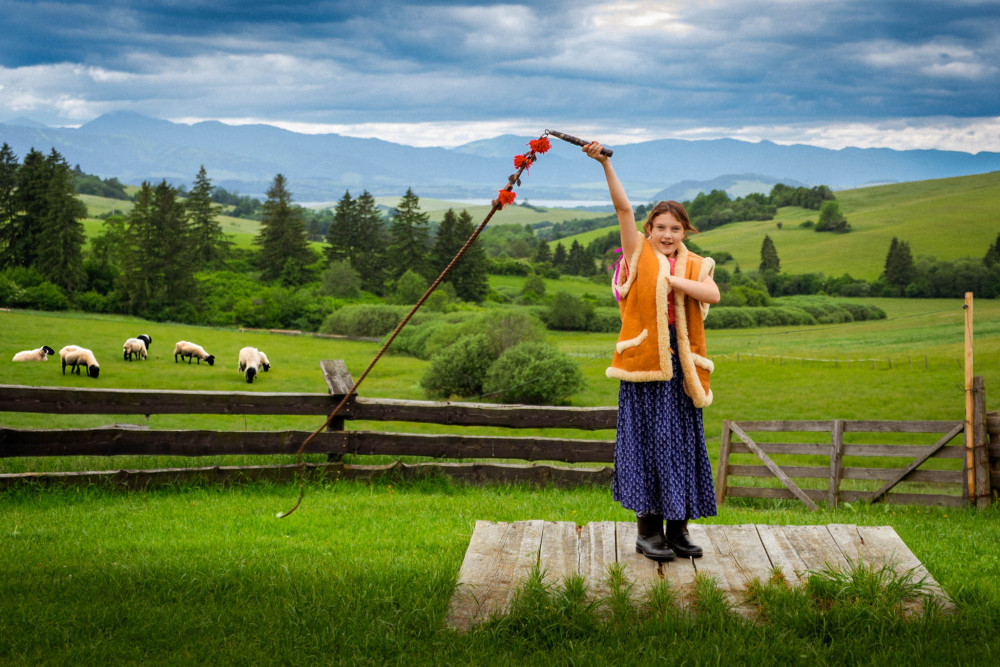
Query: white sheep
251, 361
264, 363
192, 351
41, 354
76, 356
136, 346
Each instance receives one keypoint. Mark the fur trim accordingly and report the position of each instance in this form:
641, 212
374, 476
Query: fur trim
632, 264
703, 362
623, 345
707, 269
692, 384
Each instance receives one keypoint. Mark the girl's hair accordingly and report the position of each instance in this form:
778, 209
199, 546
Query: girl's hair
674, 208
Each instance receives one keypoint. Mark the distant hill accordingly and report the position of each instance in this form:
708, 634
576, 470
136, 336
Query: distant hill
245, 159
946, 219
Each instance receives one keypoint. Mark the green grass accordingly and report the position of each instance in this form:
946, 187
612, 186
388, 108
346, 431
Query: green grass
363, 573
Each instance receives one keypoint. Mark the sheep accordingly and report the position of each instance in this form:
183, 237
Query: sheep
41, 354
76, 356
191, 351
136, 346
251, 361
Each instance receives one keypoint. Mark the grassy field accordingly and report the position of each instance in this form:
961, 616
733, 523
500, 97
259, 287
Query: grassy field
946, 219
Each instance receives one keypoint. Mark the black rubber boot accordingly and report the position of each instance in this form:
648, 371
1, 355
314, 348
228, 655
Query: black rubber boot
650, 541
678, 539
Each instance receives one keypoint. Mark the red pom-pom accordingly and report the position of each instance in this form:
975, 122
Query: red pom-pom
540, 145
522, 160
506, 197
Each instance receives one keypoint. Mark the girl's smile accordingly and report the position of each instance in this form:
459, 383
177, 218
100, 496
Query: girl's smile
666, 233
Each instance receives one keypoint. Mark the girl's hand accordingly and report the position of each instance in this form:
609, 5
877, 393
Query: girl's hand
593, 150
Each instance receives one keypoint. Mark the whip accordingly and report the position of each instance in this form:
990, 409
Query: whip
504, 197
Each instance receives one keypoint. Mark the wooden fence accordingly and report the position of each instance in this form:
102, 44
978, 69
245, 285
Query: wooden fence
967, 462
470, 457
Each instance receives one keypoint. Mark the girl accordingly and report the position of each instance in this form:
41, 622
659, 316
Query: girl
661, 462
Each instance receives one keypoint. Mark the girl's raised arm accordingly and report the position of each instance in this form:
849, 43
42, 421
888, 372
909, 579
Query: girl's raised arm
623, 207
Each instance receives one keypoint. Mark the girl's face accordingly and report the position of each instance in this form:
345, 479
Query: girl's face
666, 233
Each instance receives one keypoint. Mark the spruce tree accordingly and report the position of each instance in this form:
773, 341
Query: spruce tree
342, 233
469, 275
769, 256
282, 237
992, 257
543, 254
209, 245
579, 262
559, 256
369, 258
60, 255
409, 245
8, 201
24, 237
899, 268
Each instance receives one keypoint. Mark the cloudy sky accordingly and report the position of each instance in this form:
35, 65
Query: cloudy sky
902, 74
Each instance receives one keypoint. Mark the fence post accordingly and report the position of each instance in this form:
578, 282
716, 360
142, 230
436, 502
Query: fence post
338, 382
980, 443
970, 464
836, 461
720, 479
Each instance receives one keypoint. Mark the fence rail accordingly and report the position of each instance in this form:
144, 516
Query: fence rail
133, 440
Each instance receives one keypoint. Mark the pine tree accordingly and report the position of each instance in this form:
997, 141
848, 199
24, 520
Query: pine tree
769, 256
899, 268
579, 262
60, 257
992, 257
341, 236
559, 256
369, 258
282, 235
8, 201
469, 275
409, 245
24, 238
543, 255
209, 245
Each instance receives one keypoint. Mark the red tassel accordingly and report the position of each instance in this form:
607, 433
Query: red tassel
540, 145
506, 197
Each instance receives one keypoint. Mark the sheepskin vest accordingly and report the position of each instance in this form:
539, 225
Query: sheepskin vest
642, 353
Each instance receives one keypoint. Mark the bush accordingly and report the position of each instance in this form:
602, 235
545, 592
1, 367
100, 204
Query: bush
460, 368
568, 313
533, 373
408, 289
45, 296
367, 320
605, 320
730, 318
341, 280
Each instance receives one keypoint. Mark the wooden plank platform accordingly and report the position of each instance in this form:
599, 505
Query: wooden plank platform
501, 556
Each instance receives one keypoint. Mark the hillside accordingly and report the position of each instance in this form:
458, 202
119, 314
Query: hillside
945, 218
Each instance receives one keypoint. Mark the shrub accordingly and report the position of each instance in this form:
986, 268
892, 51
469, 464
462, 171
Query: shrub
341, 280
534, 373
605, 320
460, 368
409, 288
45, 296
367, 320
568, 313
729, 318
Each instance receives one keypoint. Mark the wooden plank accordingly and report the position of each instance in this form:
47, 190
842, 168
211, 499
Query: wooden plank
805, 448
641, 571
881, 545
772, 492
62, 400
733, 556
899, 426
486, 414
896, 498
882, 474
919, 461
836, 460
723, 472
792, 471
559, 553
499, 558
598, 551
980, 443
338, 378
791, 426
781, 553
903, 451
815, 547
481, 447
792, 486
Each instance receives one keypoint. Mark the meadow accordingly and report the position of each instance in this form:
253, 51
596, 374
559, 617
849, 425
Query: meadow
946, 219
363, 572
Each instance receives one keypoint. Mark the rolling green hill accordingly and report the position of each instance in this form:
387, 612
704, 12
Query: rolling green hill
946, 219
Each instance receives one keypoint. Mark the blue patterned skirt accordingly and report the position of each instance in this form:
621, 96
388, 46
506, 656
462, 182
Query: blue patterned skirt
661, 461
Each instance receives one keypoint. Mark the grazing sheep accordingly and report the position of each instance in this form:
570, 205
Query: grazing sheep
192, 351
136, 346
41, 354
264, 363
251, 361
76, 356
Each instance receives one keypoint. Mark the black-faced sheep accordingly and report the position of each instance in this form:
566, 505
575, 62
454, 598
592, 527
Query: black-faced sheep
192, 351
76, 356
41, 354
136, 346
252, 361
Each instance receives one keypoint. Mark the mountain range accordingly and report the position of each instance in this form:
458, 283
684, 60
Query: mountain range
245, 159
